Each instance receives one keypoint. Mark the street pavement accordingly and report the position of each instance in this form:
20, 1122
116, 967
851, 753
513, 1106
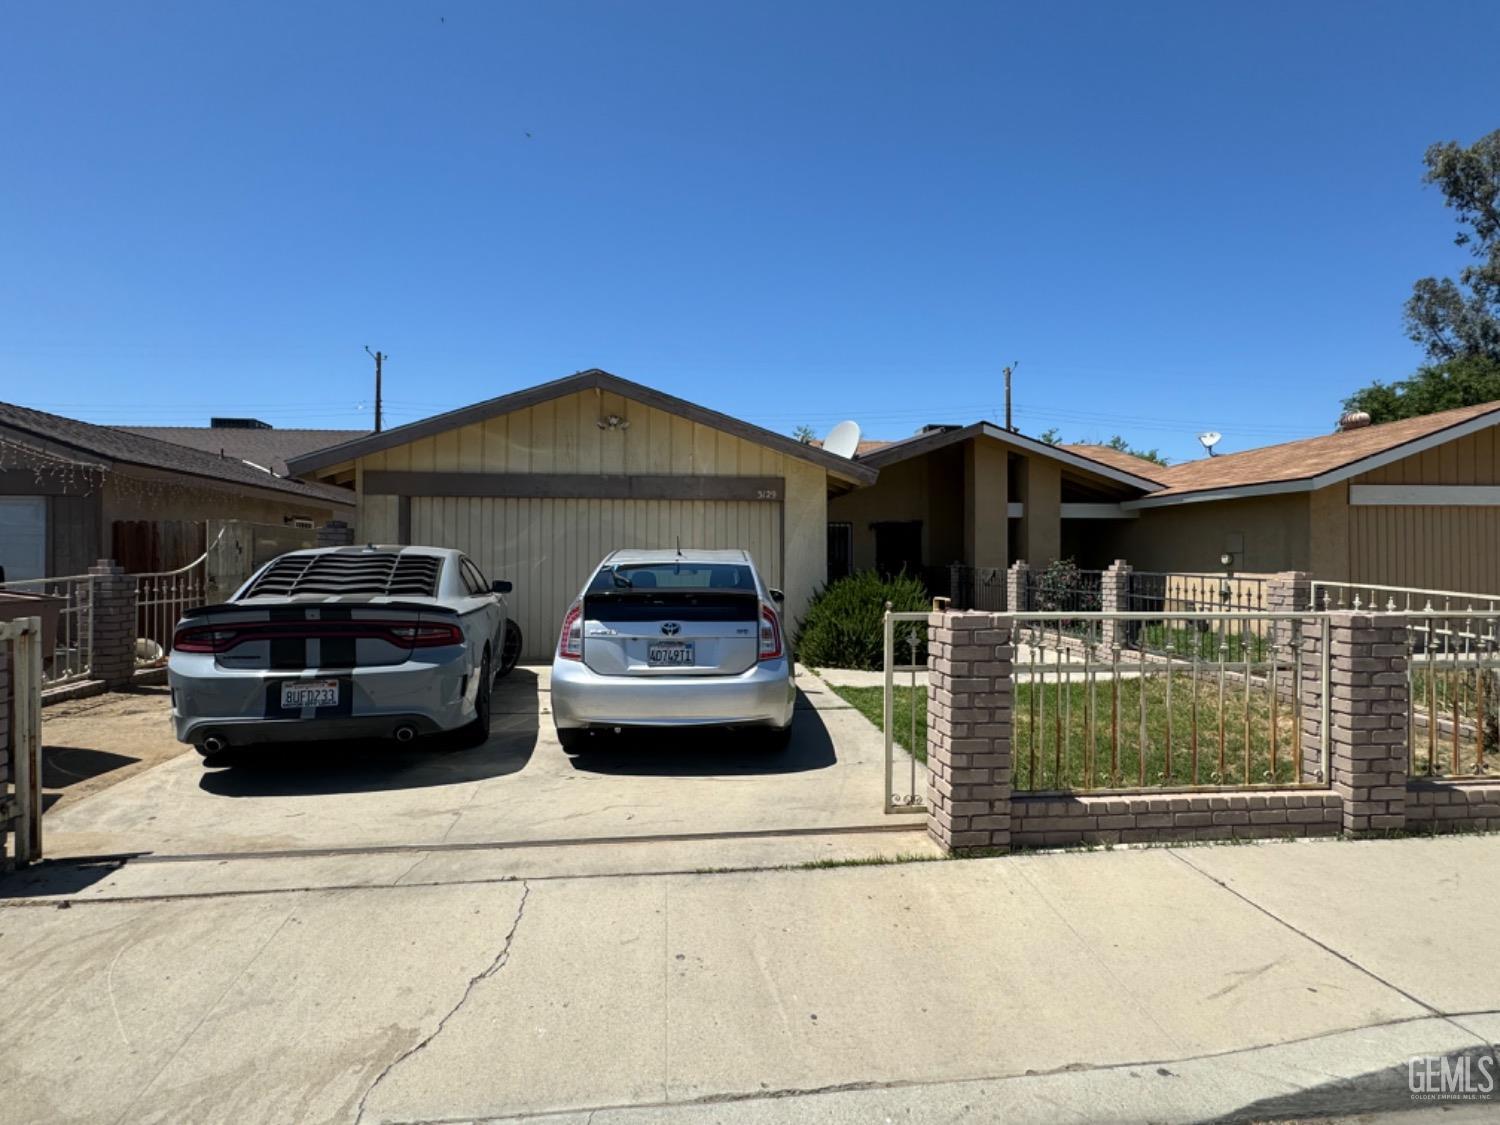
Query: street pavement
1161, 984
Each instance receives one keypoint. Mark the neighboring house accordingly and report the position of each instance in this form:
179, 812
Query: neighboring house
65, 485
537, 486
249, 439
979, 495
1409, 503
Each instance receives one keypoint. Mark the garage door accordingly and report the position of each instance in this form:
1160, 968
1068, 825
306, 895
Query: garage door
548, 547
23, 536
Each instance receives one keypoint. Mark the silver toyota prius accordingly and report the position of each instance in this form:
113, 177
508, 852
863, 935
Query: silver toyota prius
673, 639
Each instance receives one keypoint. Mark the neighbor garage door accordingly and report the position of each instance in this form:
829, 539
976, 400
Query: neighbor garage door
547, 547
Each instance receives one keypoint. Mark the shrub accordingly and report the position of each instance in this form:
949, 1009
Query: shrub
844, 624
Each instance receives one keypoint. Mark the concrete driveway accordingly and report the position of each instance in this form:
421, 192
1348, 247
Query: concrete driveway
520, 788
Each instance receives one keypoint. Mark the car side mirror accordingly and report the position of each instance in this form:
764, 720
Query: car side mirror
502, 586
777, 594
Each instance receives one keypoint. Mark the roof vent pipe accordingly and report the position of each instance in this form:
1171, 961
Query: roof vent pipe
1353, 420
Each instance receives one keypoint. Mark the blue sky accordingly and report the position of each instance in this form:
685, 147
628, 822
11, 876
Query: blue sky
1175, 216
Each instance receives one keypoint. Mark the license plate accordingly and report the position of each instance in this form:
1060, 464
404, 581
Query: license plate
309, 693
669, 654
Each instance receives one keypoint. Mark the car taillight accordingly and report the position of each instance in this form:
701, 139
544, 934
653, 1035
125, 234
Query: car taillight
428, 636
770, 634
570, 644
203, 639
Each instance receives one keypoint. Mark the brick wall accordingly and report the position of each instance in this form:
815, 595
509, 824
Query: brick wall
969, 662
1056, 820
114, 624
1367, 720
1452, 806
971, 804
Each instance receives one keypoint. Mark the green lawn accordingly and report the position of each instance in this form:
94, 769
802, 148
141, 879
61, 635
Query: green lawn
870, 702
1068, 737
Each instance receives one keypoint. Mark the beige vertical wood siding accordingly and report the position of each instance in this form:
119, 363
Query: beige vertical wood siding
1431, 546
549, 547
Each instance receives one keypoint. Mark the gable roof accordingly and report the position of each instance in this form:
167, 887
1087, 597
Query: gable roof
108, 446
558, 388
923, 443
1125, 462
269, 447
1301, 466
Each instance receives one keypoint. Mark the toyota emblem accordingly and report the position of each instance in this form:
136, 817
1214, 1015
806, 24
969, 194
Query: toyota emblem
670, 629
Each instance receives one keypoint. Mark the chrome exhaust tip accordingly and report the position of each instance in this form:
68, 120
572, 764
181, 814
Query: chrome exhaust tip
214, 744
405, 732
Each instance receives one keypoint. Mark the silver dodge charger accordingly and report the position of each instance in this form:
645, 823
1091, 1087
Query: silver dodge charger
343, 642
672, 639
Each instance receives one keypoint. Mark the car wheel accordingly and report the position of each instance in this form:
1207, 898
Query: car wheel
510, 648
572, 739
477, 732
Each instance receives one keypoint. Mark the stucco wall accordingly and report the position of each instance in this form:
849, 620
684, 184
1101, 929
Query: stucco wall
930, 489
1266, 533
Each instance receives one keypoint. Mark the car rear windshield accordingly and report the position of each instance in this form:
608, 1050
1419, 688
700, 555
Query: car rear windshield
674, 576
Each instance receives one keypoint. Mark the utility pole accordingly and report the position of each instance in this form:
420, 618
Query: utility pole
1015, 364
379, 358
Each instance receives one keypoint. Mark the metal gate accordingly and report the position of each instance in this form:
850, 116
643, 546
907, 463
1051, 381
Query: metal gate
905, 704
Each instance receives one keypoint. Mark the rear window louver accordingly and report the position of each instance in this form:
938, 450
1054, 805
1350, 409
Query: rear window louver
407, 575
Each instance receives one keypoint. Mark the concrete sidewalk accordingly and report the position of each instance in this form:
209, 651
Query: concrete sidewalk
1160, 984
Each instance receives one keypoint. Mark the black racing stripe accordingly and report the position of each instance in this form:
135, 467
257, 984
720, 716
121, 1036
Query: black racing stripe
288, 653
337, 652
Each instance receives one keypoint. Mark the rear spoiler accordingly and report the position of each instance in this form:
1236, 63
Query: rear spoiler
248, 607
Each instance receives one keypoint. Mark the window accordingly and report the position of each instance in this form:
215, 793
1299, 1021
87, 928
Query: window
674, 576
840, 550
473, 578
898, 547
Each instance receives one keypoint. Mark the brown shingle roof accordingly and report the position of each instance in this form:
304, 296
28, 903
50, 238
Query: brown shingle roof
270, 447
1309, 457
1125, 462
116, 445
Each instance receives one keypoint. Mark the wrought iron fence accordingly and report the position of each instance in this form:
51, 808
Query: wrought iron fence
905, 636
65, 606
1376, 598
1453, 683
969, 587
161, 598
1198, 708
1160, 592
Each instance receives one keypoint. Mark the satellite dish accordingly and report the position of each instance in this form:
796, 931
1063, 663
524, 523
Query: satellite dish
1209, 440
842, 440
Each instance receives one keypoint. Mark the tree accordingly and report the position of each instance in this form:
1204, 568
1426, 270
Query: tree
804, 434
1050, 437
1465, 381
1452, 320
1120, 445
1457, 322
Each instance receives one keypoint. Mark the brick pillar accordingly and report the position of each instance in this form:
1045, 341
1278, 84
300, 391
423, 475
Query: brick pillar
1016, 582
1114, 597
1289, 592
1368, 705
969, 694
335, 533
114, 624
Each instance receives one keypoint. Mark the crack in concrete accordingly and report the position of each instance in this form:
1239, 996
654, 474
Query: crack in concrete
490, 970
